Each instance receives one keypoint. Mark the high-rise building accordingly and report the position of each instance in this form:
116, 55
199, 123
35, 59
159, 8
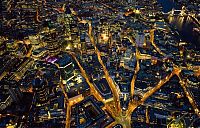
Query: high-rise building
66, 67
52, 44
10, 92
39, 86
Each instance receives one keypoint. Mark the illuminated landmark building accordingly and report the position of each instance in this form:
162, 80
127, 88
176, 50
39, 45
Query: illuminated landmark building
104, 30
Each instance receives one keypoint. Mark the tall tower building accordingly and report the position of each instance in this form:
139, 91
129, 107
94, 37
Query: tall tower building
40, 87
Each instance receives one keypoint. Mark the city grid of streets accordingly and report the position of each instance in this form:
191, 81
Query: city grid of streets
97, 64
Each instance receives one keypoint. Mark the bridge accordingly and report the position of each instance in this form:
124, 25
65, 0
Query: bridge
183, 13
194, 19
175, 12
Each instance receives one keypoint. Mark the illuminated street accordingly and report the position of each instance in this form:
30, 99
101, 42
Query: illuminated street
99, 64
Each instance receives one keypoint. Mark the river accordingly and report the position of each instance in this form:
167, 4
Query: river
185, 25
168, 5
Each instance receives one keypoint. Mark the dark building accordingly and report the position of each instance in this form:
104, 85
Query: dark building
66, 67
41, 90
49, 105
9, 93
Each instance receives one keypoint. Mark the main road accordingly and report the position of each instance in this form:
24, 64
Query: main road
119, 117
94, 92
111, 84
